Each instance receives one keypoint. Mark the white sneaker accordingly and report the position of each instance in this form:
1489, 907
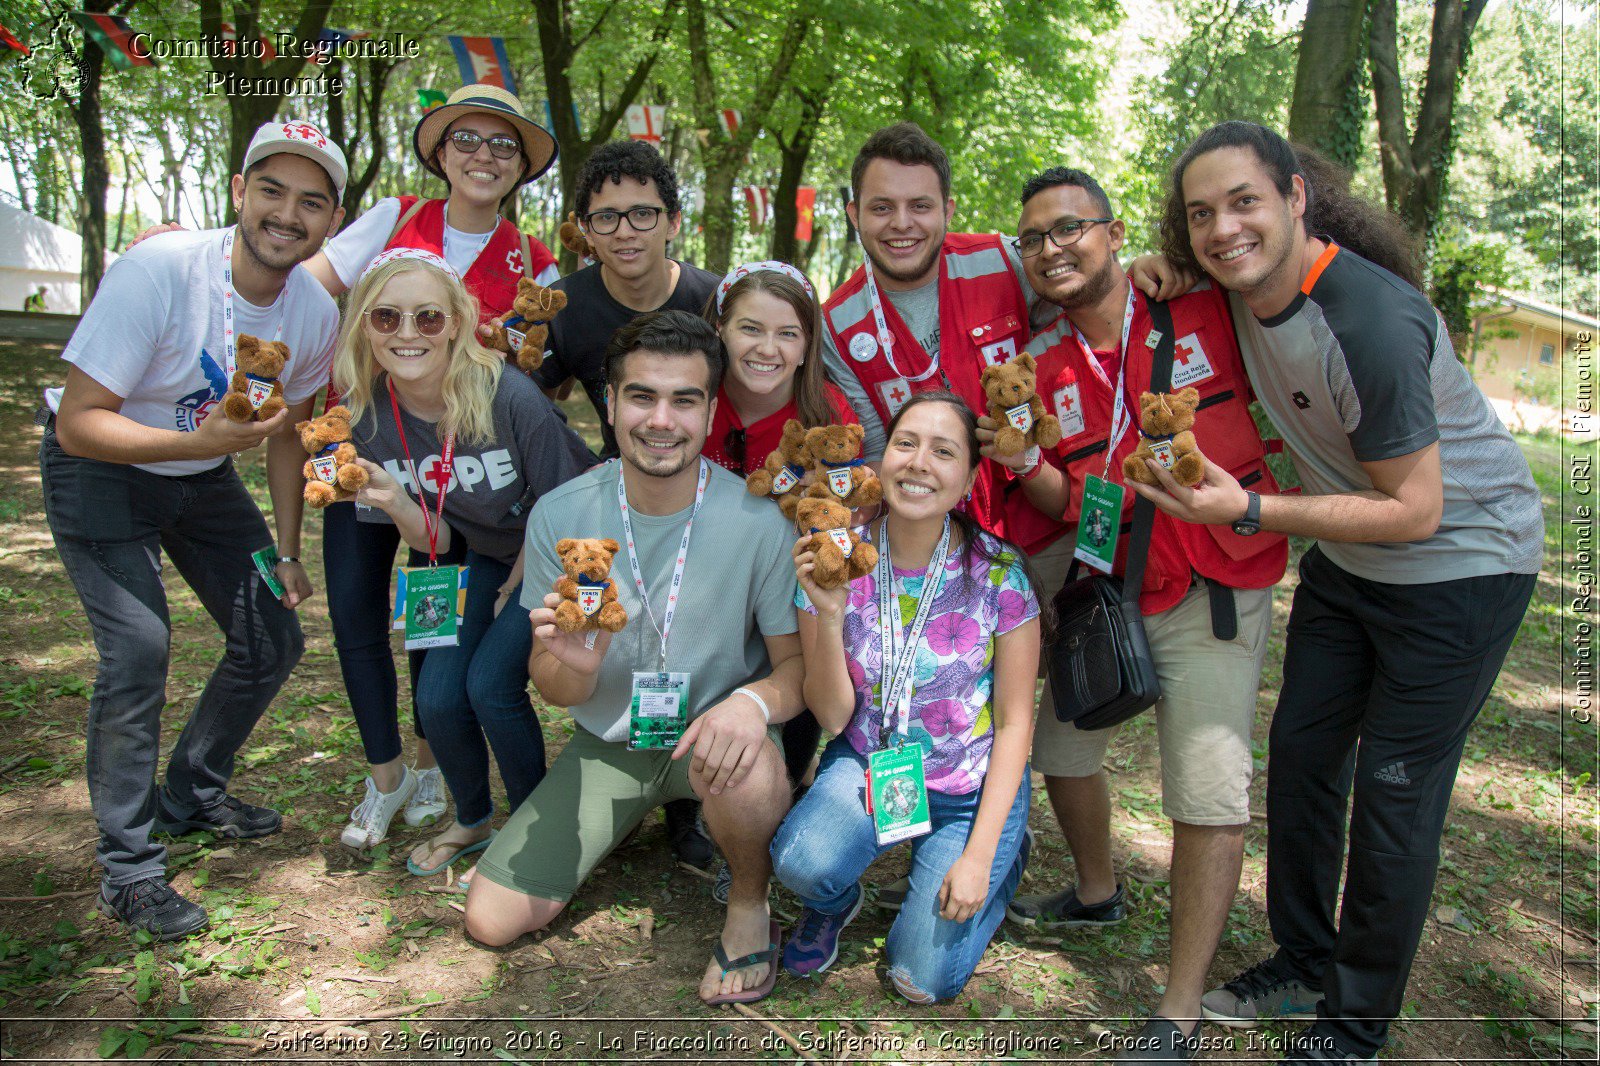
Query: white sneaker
428, 805
369, 822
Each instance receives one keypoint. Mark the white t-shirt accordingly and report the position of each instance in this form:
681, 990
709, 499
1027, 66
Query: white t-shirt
153, 335
353, 247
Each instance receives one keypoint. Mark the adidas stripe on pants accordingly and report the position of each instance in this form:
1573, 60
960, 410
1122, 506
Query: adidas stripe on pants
1380, 685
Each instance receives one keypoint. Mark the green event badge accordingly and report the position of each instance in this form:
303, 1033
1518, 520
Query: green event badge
428, 603
266, 561
897, 794
1100, 523
659, 710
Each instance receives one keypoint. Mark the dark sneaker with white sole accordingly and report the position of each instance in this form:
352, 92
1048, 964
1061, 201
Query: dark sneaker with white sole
228, 817
1262, 991
814, 944
1065, 911
153, 906
1160, 1040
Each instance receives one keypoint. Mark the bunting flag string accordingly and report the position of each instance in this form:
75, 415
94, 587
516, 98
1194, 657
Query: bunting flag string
646, 121
484, 60
759, 198
115, 38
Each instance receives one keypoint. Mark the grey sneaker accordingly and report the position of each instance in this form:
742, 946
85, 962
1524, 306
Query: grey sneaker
1262, 991
1064, 910
427, 804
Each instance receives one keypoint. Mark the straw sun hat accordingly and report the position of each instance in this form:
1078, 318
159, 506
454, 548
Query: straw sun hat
537, 144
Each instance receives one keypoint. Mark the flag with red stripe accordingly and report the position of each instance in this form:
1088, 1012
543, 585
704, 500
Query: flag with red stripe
759, 198
230, 44
115, 38
729, 118
483, 60
805, 202
645, 122
9, 40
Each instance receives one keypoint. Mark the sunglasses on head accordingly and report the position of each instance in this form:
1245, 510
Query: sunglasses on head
387, 320
501, 147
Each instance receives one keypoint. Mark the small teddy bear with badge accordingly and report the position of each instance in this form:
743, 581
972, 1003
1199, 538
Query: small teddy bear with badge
588, 596
840, 472
841, 555
254, 394
522, 333
1014, 405
331, 473
784, 473
1165, 422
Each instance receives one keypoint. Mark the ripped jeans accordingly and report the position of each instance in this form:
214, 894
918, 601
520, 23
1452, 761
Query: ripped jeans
827, 842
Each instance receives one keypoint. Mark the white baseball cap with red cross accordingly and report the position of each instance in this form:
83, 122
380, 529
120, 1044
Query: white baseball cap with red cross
299, 138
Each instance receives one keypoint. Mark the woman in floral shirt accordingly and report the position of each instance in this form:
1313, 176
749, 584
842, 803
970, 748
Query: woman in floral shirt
968, 705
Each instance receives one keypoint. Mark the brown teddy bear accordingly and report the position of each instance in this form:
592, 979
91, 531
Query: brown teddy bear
522, 333
588, 597
784, 474
1015, 407
1165, 421
841, 555
841, 474
332, 475
572, 238
254, 394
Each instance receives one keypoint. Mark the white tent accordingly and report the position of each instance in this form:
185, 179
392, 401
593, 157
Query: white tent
34, 252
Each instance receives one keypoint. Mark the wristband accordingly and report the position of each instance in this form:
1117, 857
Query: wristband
288, 558
766, 715
1035, 460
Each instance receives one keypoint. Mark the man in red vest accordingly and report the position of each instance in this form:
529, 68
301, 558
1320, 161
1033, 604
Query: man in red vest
1206, 595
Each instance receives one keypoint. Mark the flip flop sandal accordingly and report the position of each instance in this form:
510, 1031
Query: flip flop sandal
465, 849
755, 958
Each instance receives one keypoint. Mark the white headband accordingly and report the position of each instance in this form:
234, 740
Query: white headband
394, 254
752, 268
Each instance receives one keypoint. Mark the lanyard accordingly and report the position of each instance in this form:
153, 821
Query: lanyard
1121, 416
446, 464
665, 625
229, 345
885, 339
899, 658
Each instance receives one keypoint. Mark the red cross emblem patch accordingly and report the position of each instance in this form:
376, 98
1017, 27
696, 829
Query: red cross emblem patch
304, 131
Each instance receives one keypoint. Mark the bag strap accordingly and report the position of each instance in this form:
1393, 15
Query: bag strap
527, 259
1144, 512
406, 216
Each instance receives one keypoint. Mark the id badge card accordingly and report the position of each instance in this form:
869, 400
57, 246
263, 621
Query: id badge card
659, 710
428, 604
1099, 523
897, 794
266, 561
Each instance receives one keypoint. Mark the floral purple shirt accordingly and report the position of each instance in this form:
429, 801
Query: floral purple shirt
952, 699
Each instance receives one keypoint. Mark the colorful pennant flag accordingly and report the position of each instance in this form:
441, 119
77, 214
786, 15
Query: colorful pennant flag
428, 99
329, 39
805, 202
729, 120
230, 43
646, 121
760, 199
484, 60
115, 38
9, 40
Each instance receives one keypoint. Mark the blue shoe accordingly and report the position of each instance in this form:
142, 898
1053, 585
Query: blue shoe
815, 944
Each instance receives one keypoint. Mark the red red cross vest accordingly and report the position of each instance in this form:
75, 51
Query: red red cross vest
983, 320
1206, 356
508, 256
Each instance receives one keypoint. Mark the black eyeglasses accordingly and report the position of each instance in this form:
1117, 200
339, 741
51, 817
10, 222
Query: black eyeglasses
734, 445
1063, 235
467, 142
387, 320
605, 223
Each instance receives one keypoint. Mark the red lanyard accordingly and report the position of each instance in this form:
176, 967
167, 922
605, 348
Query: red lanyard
430, 522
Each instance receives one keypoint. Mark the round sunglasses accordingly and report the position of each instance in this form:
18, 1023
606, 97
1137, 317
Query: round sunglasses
386, 321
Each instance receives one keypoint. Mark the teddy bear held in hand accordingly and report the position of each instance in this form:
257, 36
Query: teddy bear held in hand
1165, 421
588, 596
331, 473
254, 394
1014, 405
841, 555
841, 474
784, 473
523, 332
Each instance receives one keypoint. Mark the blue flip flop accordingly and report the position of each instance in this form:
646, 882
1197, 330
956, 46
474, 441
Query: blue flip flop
466, 850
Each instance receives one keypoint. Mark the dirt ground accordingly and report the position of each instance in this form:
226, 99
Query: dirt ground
316, 953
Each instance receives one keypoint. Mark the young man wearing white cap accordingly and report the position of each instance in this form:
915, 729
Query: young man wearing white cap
136, 461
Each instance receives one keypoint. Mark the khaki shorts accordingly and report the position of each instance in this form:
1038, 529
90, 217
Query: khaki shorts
595, 794
1203, 719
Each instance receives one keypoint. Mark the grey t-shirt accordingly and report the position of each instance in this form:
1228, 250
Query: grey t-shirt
738, 586
493, 483
1360, 370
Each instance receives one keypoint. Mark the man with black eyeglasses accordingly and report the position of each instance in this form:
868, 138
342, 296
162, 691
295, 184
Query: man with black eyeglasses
629, 209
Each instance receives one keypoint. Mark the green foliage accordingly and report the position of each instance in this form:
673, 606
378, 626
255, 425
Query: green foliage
1463, 271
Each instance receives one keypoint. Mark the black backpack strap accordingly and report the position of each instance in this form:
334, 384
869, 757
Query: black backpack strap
1144, 512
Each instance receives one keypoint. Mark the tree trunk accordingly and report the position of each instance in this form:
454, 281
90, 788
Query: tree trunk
96, 172
1328, 111
795, 153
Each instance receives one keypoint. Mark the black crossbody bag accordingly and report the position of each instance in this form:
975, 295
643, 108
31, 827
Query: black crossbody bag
1101, 670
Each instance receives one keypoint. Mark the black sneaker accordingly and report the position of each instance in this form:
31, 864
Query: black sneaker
228, 817
153, 906
1312, 1046
1064, 911
690, 844
1159, 1040
1262, 991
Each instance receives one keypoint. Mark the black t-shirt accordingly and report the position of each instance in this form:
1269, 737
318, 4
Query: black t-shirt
580, 334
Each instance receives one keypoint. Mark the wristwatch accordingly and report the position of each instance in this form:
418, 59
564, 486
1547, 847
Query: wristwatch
1250, 524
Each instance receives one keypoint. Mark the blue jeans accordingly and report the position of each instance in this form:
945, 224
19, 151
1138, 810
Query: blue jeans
827, 842
479, 689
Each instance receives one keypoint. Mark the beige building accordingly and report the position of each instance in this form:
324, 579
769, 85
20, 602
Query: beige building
1521, 346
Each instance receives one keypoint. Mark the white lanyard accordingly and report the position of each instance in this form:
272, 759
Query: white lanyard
885, 339
895, 674
665, 625
1121, 416
229, 346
